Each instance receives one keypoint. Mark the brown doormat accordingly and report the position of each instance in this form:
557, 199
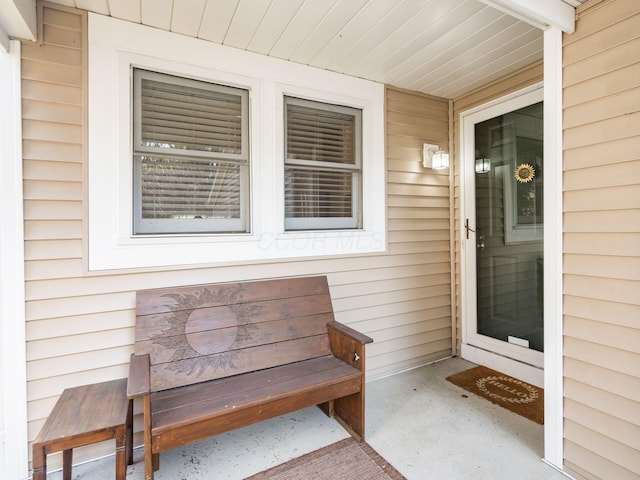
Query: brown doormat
508, 392
345, 460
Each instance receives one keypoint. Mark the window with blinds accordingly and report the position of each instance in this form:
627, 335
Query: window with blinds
323, 166
190, 156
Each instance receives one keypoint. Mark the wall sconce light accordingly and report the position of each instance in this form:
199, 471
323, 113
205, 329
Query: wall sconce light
433, 157
483, 165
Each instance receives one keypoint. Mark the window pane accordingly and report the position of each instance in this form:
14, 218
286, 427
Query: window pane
313, 194
322, 165
320, 135
174, 188
178, 116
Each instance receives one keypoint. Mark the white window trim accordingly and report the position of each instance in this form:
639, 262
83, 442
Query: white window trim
111, 244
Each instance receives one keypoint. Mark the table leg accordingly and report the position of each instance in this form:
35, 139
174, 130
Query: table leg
129, 427
67, 460
39, 463
121, 452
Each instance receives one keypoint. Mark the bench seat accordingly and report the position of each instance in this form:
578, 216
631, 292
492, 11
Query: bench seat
183, 414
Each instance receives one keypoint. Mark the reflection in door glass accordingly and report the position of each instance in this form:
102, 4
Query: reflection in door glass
510, 224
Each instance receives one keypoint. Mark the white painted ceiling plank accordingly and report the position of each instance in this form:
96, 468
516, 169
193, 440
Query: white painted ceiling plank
476, 69
526, 45
422, 28
125, 9
367, 18
327, 29
275, 21
244, 24
157, 13
474, 81
488, 71
97, 6
455, 66
397, 17
187, 16
303, 23
457, 41
216, 19
439, 47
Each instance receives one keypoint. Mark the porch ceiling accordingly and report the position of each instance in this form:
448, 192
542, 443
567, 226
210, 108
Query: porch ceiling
439, 47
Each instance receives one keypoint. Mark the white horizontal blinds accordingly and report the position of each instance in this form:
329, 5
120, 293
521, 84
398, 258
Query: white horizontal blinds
188, 118
184, 188
320, 135
322, 165
310, 193
190, 155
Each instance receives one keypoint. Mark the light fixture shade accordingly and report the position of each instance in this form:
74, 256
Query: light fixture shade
433, 157
483, 165
440, 160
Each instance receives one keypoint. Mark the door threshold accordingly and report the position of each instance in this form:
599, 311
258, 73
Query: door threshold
521, 371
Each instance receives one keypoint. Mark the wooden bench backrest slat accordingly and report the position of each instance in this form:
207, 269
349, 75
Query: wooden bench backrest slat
261, 333
156, 301
151, 326
199, 333
209, 367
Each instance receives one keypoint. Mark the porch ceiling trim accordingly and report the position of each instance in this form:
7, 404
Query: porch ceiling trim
540, 13
17, 20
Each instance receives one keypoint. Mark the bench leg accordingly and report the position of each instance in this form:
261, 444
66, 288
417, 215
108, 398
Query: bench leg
327, 408
39, 463
350, 411
67, 461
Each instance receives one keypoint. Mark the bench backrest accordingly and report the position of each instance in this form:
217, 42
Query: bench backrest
198, 333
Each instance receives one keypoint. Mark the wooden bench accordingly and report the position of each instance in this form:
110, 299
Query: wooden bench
213, 358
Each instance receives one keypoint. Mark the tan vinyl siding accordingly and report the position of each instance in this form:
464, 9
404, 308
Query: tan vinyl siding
80, 325
523, 78
602, 241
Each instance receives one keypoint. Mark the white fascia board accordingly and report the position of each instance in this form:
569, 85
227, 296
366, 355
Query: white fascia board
540, 13
18, 19
4, 40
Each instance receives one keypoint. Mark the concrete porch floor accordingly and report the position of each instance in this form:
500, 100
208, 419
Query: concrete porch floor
424, 426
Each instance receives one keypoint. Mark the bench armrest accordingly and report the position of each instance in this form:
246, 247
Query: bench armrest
350, 332
138, 383
348, 344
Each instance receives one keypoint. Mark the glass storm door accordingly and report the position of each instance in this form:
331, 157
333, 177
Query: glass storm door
504, 231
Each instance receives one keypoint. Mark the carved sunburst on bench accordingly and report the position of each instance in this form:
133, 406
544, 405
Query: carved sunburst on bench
203, 328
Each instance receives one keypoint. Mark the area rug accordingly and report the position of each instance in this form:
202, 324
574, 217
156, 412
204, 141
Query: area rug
508, 392
344, 460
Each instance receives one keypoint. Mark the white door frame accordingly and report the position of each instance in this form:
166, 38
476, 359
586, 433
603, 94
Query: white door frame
514, 360
553, 248
13, 379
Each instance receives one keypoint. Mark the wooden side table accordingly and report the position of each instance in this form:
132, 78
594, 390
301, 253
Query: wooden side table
85, 415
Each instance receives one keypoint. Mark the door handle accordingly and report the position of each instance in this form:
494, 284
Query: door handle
467, 228
480, 243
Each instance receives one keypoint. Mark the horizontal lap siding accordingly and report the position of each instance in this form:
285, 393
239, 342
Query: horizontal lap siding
602, 241
80, 326
419, 226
